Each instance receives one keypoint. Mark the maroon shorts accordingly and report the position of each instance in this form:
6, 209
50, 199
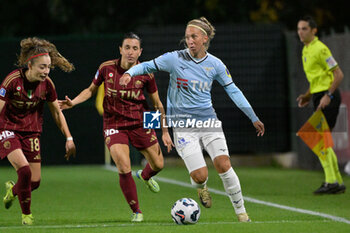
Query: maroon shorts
28, 142
139, 137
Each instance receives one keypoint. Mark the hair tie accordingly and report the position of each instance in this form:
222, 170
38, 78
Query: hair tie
37, 55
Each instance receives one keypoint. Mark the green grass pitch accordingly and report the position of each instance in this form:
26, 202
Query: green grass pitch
88, 199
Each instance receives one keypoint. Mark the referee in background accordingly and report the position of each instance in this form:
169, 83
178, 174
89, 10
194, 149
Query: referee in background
324, 76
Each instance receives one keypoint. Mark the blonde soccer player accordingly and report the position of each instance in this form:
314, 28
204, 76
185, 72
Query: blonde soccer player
192, 116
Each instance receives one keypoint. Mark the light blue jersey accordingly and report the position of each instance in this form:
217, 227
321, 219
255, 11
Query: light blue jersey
191, 82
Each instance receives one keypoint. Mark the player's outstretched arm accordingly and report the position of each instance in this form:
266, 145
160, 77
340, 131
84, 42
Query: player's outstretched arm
140, 69
62, 125
82, 97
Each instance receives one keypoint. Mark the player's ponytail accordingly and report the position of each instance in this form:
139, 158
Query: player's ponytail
33, 47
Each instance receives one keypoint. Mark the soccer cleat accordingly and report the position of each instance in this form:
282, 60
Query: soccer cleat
243, 217
341, 189
327, 188
204, 196
137, 217
27, 219
151, 183
9, 198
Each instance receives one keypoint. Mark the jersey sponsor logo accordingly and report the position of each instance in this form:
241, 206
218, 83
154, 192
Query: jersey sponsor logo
124, 94
24, 104
4, 135
151, 119
181, 82
109, 132
195, 84
2, 92
331, 62
200, 85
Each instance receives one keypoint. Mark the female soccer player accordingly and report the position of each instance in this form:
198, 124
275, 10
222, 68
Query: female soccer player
123, 120
192, 72
22, 96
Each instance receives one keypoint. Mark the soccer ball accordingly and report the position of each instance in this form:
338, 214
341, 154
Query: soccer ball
185, 211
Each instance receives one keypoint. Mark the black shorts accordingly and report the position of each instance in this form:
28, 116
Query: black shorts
332, 110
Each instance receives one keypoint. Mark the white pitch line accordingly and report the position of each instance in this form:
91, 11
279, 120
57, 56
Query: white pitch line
253, 200
69, 226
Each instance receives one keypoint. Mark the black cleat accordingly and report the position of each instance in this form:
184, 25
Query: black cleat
341, 189
327, 188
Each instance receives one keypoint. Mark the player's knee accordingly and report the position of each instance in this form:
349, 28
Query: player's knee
158, 165
199, 177
35, 185
222, 163
124, 169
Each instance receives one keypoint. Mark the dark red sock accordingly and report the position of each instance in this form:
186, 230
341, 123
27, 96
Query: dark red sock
22, 188
147, 172
34, 185
128, 186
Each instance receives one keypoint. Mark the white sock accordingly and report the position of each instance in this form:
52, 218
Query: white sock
233, 190
198, 185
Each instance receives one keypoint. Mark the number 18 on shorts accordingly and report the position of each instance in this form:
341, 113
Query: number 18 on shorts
151, 120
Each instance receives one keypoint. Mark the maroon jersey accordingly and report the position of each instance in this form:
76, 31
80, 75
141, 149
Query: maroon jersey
123, 106
25, 100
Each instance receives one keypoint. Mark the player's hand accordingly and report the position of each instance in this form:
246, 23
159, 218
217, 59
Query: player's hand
124, 80
167, 141
303, 100
65, 104
260, 128
324, 102
70, 149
